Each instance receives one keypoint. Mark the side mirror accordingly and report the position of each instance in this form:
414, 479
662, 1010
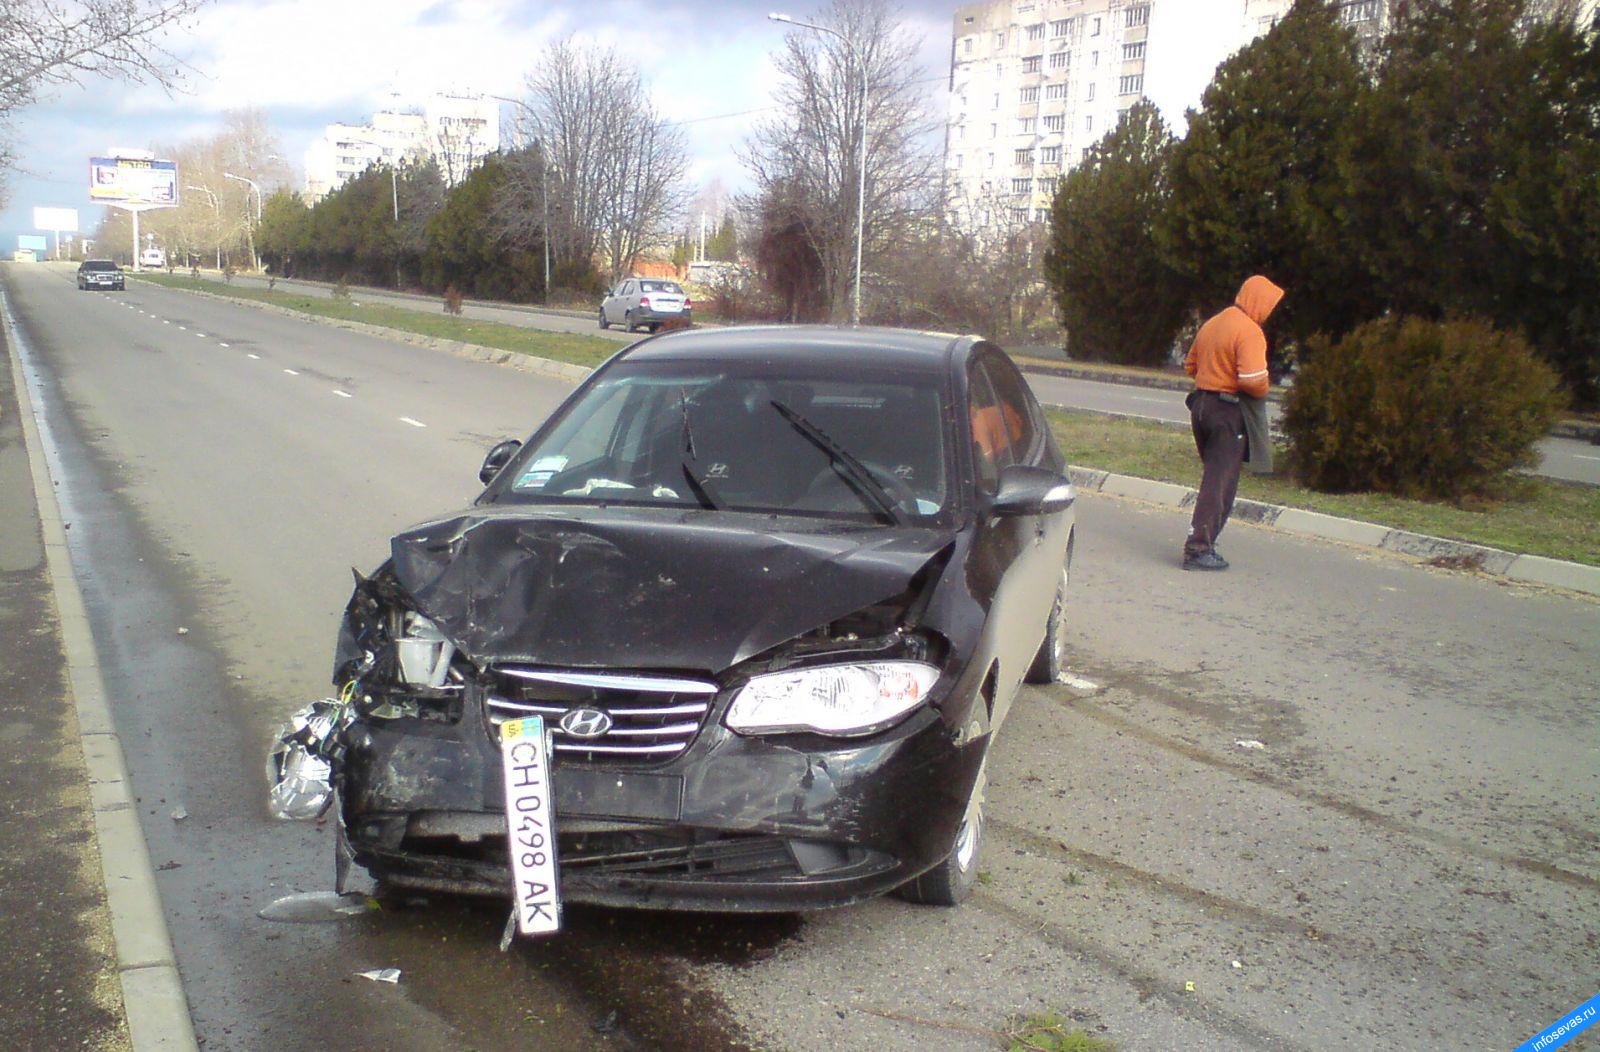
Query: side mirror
1026, 490
498, 458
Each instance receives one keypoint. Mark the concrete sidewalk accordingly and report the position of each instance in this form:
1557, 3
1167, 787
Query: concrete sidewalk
91, 964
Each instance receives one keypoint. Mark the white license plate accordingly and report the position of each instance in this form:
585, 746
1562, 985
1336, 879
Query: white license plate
530, 821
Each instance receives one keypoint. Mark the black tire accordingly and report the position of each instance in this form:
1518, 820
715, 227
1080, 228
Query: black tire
627, 321
1051, 660
950, 883
603, 323
653, 327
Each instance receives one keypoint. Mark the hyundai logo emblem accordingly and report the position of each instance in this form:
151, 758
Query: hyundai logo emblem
585, 723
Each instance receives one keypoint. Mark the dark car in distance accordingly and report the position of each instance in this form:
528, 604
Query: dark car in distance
775, 590
100, 274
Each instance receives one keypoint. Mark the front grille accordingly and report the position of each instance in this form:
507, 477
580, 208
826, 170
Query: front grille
694, 853
653, 718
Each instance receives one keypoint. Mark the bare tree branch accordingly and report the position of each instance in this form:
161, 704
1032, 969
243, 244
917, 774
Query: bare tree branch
809, 156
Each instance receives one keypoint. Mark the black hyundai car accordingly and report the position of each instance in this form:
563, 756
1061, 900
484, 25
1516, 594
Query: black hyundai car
771, 592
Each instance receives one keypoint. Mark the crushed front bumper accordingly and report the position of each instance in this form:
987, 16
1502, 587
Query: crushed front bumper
732, 824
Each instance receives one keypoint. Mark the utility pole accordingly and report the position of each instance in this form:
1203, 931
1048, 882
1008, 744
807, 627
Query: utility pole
255, 260
544, 183
861, 183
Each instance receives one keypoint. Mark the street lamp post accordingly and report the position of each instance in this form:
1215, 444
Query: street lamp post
861, 183
254, 259
215, 208
544, 186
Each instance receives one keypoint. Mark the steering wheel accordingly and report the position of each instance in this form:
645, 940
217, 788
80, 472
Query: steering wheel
897, 488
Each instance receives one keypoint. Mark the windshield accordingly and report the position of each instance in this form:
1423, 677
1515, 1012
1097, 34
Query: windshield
671, 287
732, 436
99, 264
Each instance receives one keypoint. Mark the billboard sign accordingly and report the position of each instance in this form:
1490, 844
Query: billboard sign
61, 220
130, 181
35, 242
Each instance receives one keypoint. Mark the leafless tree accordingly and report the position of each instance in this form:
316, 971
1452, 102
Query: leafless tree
615, 169
811, 154
51, 42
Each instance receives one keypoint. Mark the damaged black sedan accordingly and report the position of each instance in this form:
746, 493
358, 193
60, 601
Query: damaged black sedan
767, 593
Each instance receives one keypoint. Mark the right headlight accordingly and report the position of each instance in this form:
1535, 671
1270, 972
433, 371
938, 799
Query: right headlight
842, 700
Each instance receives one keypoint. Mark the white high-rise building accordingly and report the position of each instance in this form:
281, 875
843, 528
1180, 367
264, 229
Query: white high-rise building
1035, 83
457, 131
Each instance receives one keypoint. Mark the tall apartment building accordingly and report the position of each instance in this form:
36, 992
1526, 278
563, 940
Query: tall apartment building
457, 131
1035, 83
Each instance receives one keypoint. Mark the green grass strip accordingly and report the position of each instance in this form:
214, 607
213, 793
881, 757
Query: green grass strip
1536, 516
567, 347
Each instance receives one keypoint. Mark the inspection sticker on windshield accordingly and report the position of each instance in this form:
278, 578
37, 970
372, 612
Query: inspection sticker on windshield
530, 820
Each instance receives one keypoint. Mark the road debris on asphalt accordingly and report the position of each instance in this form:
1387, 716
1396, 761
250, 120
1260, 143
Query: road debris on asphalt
300, 765
179, 814
1249, 743
382, 975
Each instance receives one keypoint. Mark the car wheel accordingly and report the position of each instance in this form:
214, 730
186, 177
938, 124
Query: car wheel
950, 883
1051, 661
627, 321
654, 326
603, 323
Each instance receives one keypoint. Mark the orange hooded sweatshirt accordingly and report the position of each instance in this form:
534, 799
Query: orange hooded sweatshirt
1230, 351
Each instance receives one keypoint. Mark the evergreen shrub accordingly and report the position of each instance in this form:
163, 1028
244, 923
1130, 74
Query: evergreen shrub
1433, 410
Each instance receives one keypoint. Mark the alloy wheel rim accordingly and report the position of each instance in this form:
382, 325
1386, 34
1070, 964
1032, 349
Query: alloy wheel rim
967, 840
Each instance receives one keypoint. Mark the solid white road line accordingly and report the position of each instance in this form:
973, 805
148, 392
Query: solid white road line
343, 394
1580, 456
413, 423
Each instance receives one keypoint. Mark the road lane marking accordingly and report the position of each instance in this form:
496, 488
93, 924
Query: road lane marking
185, 328
1147, 398
413, 423
257, 357
291, 372
200, 334
343, 394
165, 322
1581, 456
221, 344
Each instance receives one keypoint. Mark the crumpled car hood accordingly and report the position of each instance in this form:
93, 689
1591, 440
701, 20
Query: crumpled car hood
643, 588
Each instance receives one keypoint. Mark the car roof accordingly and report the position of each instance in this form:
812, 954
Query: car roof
87, 261
901, 348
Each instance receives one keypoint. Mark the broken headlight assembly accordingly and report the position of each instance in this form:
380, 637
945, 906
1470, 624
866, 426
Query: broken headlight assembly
844, 701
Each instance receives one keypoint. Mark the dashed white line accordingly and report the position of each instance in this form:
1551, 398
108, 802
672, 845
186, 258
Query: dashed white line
185, 328
343, 394
165, 322
221, 344
413, 423
291, 372
200, 334
257, 357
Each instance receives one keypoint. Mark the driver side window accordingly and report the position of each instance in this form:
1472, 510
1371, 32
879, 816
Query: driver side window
989, 437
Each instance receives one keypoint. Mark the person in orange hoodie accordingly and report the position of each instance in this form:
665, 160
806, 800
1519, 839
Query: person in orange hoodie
1228, 360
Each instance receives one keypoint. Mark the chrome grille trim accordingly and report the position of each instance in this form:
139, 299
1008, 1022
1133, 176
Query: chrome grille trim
654, 717
615, 681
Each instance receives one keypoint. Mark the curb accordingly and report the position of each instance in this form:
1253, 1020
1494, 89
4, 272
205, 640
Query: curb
153, 999
1527, 569
527, 308
1523, 569
527, 363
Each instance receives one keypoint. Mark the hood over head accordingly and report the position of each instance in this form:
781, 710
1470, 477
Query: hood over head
1258, 298
628, 588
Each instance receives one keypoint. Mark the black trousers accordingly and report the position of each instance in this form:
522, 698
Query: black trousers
1219, 436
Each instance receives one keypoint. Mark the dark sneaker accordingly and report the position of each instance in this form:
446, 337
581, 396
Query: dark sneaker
1205, 561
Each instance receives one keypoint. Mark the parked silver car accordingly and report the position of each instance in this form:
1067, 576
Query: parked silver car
645, 303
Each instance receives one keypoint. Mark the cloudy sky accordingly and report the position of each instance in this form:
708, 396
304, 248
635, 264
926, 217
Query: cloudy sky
309, 62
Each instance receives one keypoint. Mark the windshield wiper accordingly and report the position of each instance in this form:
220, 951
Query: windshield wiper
848, 467
695, 487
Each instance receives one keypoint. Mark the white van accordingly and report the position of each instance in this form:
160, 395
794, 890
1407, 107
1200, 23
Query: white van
152, 257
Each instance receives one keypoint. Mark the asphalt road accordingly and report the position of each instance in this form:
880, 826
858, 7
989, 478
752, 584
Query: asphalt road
1408, 860
1561, 458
